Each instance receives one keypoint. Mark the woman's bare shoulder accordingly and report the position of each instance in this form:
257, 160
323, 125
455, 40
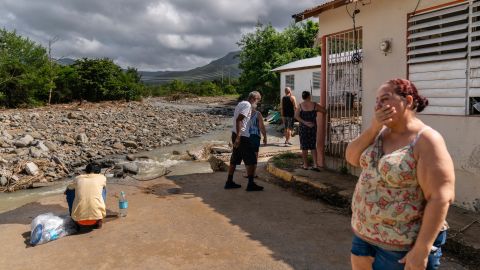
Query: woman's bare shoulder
430, 138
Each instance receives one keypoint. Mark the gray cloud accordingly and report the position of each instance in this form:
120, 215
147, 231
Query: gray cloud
147, 34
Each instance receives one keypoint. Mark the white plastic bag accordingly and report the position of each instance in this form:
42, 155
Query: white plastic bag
48, 227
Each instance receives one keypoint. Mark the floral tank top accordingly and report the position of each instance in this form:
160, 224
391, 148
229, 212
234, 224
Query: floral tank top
388, 202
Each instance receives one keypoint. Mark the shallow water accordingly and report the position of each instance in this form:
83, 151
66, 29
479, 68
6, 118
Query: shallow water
163, 155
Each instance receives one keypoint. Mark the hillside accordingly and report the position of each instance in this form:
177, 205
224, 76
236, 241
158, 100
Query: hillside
226, 67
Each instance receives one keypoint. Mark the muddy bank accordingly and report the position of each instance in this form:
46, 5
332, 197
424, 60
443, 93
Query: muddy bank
38, 146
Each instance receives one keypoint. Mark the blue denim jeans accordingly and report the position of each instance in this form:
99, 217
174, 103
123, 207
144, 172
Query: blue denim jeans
70, 194
385, 259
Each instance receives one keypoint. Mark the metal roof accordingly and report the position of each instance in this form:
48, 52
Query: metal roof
322, 6
316, 62
301, 64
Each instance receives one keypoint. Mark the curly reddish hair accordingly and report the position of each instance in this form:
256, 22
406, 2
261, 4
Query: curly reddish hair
404, 88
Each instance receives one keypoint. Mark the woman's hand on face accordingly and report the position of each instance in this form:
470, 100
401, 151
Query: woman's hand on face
383, 116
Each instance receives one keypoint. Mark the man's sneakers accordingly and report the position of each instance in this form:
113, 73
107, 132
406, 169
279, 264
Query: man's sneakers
250, 187
254, 187
232, 185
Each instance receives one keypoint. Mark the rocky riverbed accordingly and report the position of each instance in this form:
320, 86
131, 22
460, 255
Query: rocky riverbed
43, 145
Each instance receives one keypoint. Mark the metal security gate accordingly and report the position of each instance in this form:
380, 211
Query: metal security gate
344, 94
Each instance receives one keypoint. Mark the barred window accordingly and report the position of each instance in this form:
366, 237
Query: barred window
290, 81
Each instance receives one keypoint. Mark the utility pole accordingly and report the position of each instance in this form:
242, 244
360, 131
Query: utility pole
50, 43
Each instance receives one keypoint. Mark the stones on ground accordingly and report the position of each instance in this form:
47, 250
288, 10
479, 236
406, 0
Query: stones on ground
130, 157
36, 135
119, 129
35, 152
6, 135
57, 160
14, 178
41, 145
21, 152
4, 142
130, 144
221, 149
217, 165
82, 138
3, 161
130, 168
50, 145
197, 154
39, 126
31, 168
3, 181
118, 146
66, 139
72, 115
24, 141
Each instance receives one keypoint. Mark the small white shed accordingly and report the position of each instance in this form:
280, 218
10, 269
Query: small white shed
301, 75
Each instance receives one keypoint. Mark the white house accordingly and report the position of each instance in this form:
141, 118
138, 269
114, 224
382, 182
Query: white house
434, 43
301, 75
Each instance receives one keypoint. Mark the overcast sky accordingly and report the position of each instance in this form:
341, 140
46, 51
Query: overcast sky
147, 34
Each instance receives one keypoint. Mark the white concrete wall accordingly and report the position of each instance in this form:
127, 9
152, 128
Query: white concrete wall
387, 19
303, 80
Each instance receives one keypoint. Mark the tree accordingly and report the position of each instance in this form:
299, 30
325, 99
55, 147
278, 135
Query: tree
66, 84
265, 49
24, 71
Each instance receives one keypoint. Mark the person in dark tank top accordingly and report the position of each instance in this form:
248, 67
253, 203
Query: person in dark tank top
288, 107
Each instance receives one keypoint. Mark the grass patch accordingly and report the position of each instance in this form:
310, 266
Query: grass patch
288, 160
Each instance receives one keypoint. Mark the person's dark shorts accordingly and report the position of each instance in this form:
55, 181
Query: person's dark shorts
245, 151
288, 122
255, 139
385, 259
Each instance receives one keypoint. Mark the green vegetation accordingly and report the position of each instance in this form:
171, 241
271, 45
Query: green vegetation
24, 71
266, 49
29, 78
287, 160
205, 88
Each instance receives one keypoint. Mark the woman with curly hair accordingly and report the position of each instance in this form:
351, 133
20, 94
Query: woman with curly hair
401, 200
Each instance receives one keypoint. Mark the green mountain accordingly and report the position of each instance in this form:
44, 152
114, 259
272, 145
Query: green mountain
65, 61
223, 68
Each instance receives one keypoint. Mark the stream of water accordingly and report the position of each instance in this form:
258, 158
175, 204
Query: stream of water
221, 134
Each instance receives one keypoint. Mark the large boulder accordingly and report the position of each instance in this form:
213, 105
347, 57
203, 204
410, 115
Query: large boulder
217, 164
25, 141
131, 168
31, 168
